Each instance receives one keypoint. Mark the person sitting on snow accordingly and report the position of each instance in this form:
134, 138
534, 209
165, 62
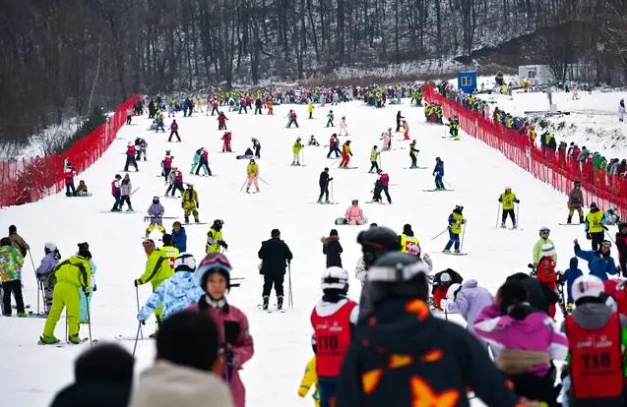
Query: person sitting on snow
354, 215
81, 190
313, 141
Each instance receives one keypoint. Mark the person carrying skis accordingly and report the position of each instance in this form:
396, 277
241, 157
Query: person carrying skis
545, 272
222, 121
330, 117
591, 323
45, 284
621, 245
600, 262
116, 191
167, 164
69, 182
310, 109
575, 202
215, 244
204, 163
354, 215
323, 182
292, 119
537, 248
226, 142
296, 149
157, 271
455, 222
595, 226
155, 212
126, 188
334, 146
508, 199
385, 184
438, 172
275, 254
333, 320
190, 203
252, 172
130, 157
174, 131
213, 276
374, 160
257, 147
413, 154
71, 275
179, 237
11, 262
409, 244
346, 154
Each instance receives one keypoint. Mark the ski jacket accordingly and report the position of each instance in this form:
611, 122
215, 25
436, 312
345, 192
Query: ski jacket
410, 244
48, 263
332, 142
439, 169
175, 294
296, 147
385, 179
130, 151
156, 211
174, 126
10, 264
346, 149
167, 162
598, 264
252, 170
274, 254
214, 238
523, 328
234, 334
537, 251
69, 176
333, 249
569, 277
470, 301
595, 219
178, 176
115, 187
126, 188
166, 384
455, 221
354, 213
179, 240
404, 333
190, 196
324, 179
157, 269
204, 155
546, 271
508, 199
76, 271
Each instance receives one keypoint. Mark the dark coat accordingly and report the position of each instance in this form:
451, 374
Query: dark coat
333, 249
275, 255
540, 296
94, 394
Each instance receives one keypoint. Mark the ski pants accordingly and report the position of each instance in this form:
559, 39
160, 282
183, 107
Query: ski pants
311, 115
130, 160
398, 127
414, 159
14, 287
597, 239
296, 159
327, 387
127, 199
571, 212
226, 146
258, 109
510, 213
333, 149
118, 202
190, 207
330, 123
128, 119
439, 293
70, 187
324, 190
174, 133
85, 301
387, 193
205, 165
453, 239
65, 295
215, 110
45, 291
253, 180
270, 281
174, 187
374, 165
345, 160
221, 126
292, 121
243, 107
258, 152
536, 387
438, 182
166, 172
406, 135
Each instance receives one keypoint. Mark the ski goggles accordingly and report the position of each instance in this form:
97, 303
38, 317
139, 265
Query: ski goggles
607, 244
148, 243
215, 260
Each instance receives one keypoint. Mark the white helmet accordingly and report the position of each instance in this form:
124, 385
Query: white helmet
587, 286
452, 291
548, 250
185, 262
50, 246
445, 277
334, 278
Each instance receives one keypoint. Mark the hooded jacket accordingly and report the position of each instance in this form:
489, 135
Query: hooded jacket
275, 255
403, 353
10, 264
166, 385
176, 293
333, 249
598, 264
470, 301
570, 275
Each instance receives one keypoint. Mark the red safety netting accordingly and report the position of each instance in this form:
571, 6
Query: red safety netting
32, 179
597, 185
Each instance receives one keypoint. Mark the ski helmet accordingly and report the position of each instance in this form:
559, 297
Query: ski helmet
185, 262
155, 199
118, 176
377, 241
213, 263
445, 278
50, 246
548, 250
453, 289
218, 222
544, 230
459, 208
606, 243
334, 278
190, 185
587, 286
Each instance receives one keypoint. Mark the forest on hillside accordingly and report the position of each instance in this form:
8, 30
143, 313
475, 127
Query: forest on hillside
62, 58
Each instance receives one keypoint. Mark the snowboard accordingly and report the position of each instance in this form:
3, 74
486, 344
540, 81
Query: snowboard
342, 221
438, 190
455, 254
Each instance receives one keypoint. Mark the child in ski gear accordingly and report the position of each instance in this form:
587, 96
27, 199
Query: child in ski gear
258, 105
292, 119
157, 271
222, 121
468, 299
257, 147
252, 172
455, 222
374, 160
275, 255
600, 262
413, 154
117, 193
313, 142
167, 164
570, 275
438, 172
179, 237
155, 211
130, 157
385, 184
296, 149
333, 320
174, 131
343, 127
71, 275
125, 192
441, 283
81, 190
545, 272
595, 226
214, 277
310, 109
215, 244
171, 252
226, 141
43, 272
323, 182
159, 124
346, 154
405, 130
190, 203
453, 126
204, 162
575, 202
176, 293
332, 248
270, 106
85, 297
69, 182
386, 136
537, 248
310, 379
334, 146
354, 215
330, 119
508, 199
175, 180
376, 192
11, 262
409, 244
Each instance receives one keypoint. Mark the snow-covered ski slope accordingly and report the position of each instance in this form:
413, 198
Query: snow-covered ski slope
31, 374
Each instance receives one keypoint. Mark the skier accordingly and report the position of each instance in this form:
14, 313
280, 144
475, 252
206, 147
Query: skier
155, 212
171, 252
11, 262
215, 244
167, 164
69, 182
174, 131
117, 193
611, 216
575, 202
214, 107
213, 275
129, 116
143, 147
595, 226
417, 371
226, 142
130, 157
438, 172
270, 106
453, 126
399, 120
545, 272
310, 378
330, 117
343, 127
568, 277
71, 275
195, 160
333, 320
334, 146
274, 255
252, 172
385, 184
621, 245
310, 109
176, 293
190, 203
621, 110
537, 248
386, 136
296, 149
409, 244
258, 104
374, 160
376, 191
508, 199
176, 182
292, 119
413, 154
179, 237
374, 242
441, 283
222, 121
332, 248
346, 154
353, 216
313, 142
405, 130
600, 262
45, 284
204, 162
455, 223
125, 193
323, 182
257, 147
159, 124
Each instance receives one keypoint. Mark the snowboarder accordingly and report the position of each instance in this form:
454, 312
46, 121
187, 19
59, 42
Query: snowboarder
334, 146
204, 162
292, 119
353, 215
226, 142
438, 172
595, 226
126, 188
252, 172
323, 182
385, 184
275, 255
374, 160
190, 203
330, 117
296, 149
413, 154
455, 223
346, 154
174, 131
222, 121
11, 262
508, 199
157, 271
45, 284
332, 248
130, 157
155, 212
117, 193
215, 243
69, 182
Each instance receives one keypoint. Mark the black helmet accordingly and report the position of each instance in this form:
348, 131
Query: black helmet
377, 241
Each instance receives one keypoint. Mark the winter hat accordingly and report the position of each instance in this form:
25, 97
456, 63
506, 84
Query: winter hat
106, 362
167, 239
5, 241
213, 263
548, 250
275, 233
333, 232
407, 229
12, 229
511, 293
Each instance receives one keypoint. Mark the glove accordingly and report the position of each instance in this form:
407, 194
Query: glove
463, 221
223, 244
94, 289
589, 236
443, 303
137, 282
197, 205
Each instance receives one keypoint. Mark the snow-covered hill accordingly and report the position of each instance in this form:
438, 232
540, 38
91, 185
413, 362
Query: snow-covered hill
31, 374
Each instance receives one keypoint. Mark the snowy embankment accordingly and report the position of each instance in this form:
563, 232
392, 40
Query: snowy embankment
32, 373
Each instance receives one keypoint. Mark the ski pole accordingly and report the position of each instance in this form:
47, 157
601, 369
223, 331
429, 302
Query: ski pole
449, 185
88, 318
38, 293
290, 299
461, 246
32, 262
262, 180
331, 190
497, 215
440, 234
137, 298
242, 188
517, 216
139, 331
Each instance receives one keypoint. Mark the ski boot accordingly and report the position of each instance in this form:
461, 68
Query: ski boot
22, 315
515, 226
457, 251
74, 339
581, 220
48, 340
186, 219
503, 225
257, 190
319, 201
266, 301
196, 220
279, 304
569, 220
446, 251
248, 190
327, 202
